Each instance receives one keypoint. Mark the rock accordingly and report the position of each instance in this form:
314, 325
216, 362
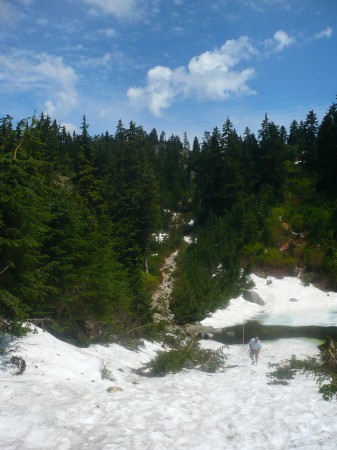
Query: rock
205, 335
253, 297
230, 333
114, 389
293, 300
199, 330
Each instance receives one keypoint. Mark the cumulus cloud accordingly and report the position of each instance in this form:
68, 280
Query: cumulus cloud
213, 75
42, 73
278, 42
327, 33
282, 40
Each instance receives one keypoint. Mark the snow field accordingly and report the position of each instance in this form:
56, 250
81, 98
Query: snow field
61, 401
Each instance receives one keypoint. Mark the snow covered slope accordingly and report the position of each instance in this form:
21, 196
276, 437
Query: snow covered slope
61, 401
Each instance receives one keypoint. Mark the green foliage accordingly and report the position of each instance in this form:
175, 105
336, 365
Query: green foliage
324, 368
25, 214
208, 273
11, 308
189, 356
78, 213
329, 264
75, 218
170, 164
275, 259
271, 157
326, 152
69, 331
277, 234
283, 372
150, 281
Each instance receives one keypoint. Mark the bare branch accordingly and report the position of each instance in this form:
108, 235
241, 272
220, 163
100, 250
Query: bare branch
4, 270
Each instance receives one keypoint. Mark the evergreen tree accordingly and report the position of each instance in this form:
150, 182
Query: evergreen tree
327, 151
271, 156
293, 138
173, 176
250, 150
24, 217
153, 137
309, 147
134, 200
227, 133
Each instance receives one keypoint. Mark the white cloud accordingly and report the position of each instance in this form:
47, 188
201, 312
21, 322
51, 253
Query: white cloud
327, 33
42, 73
70, 127
122, 9
211, 76
100, 61
118, 8
261, 6
282, 40
279, 42
162, 87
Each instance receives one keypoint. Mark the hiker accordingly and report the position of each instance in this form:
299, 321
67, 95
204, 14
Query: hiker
254, 349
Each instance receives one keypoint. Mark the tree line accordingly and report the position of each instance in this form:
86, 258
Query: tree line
77, 213
244, 189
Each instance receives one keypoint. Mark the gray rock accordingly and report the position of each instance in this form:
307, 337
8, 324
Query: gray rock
253, 297
114, 389
230, 333
293, 300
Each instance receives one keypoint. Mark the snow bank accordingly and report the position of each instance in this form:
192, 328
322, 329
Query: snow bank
61, 401
312, 306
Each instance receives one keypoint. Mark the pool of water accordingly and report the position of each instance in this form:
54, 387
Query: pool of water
239, 333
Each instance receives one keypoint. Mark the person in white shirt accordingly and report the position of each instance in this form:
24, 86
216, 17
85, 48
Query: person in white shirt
254, 349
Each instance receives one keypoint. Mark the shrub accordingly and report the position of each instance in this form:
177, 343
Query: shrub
150, 282
282, 373
189, 356
323, 367
314, 257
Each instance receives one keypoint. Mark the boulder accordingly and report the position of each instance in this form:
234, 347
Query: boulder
293, 300
253, 297
114, 389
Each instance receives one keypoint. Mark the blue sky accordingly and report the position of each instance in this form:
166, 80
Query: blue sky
173, 65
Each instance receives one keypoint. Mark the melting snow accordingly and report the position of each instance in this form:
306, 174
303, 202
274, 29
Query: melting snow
61, 401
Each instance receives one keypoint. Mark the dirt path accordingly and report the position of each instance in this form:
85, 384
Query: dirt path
161, 297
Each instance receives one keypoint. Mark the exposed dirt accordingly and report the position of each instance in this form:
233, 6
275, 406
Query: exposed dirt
161, 297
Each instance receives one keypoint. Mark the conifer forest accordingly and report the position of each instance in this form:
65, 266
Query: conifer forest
80, 217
